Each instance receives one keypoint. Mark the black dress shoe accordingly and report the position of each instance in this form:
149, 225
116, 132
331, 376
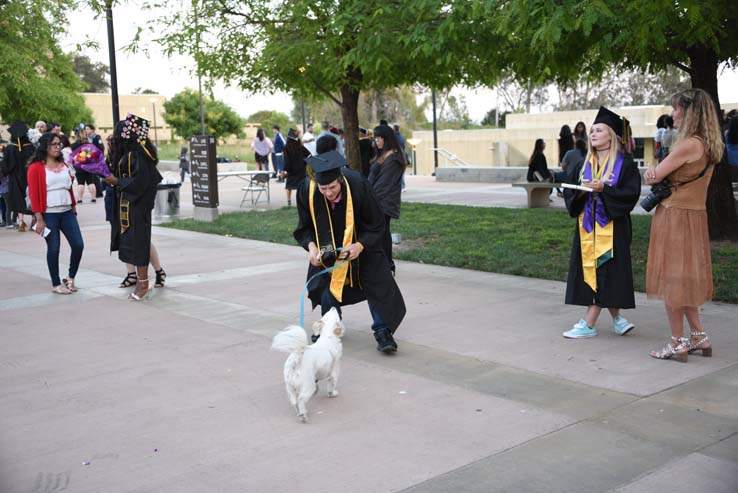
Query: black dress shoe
385, 342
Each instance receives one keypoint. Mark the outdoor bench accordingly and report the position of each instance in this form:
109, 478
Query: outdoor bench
538, 192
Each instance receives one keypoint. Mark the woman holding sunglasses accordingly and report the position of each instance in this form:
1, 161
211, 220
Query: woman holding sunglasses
52, 200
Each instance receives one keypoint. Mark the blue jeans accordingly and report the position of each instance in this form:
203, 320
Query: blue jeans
327, 301
3, 208
278, 162
64, 222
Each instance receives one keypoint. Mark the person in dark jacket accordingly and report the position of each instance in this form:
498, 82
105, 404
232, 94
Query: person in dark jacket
294, 163
184, 163
538, 164
337, 209
366, 151
18, 152
566, 141
385, 177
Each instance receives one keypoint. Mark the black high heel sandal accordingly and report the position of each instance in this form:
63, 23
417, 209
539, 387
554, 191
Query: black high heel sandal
129, 280
161, 277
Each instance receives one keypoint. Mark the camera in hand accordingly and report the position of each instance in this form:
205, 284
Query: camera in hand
328, 256
658, 193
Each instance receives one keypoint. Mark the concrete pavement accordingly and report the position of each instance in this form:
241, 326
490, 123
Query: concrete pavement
180, 393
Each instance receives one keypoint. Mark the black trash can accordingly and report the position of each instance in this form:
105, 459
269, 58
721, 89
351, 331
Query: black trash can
167, 200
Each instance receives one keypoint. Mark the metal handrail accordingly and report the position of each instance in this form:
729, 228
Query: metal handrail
450, 157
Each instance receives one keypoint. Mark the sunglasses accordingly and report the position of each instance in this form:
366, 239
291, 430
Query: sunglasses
55, 144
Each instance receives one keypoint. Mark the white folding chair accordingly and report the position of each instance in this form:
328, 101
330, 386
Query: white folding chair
258, 184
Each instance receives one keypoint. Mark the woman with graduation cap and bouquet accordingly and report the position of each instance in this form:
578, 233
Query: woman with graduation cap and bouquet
679, 268
600, 273
134, 179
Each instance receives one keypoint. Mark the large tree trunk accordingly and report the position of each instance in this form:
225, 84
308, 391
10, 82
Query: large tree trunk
721, 206
350, 114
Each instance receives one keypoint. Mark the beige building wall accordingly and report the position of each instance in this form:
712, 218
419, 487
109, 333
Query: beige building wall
145, 106
512, 146
148, 106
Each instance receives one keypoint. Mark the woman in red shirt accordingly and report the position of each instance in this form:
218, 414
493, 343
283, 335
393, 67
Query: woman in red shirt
52, 200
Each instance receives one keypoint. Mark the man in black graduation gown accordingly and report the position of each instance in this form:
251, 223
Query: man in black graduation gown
337, 209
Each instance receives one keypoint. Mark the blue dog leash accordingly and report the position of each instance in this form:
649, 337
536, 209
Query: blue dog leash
304, 288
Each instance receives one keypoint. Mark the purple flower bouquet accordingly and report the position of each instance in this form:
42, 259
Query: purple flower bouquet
89, 158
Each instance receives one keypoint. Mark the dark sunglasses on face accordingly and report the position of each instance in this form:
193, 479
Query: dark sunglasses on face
55, 144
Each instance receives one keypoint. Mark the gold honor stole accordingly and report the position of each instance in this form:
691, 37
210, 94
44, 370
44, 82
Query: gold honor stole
124, 204
595, 226
338, 275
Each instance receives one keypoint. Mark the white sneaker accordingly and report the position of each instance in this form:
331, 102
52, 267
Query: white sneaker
622, 326
580, 331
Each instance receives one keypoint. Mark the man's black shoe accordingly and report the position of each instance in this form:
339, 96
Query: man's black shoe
385, 341
315, 338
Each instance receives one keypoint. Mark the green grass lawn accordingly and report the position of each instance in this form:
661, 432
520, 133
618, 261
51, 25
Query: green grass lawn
170, 151
522, 242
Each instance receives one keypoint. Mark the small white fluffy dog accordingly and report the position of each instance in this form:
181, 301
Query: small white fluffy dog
306, 365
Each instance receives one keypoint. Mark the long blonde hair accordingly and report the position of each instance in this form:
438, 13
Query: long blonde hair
612, 156
699, 120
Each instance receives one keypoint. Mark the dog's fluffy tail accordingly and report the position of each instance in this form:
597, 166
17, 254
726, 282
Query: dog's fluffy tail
290, 340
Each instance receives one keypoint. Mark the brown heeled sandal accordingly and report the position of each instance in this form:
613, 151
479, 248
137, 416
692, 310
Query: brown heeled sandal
677, 350
703, 344
139, 297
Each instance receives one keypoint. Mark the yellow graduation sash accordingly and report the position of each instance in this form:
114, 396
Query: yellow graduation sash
338, 275
596, 239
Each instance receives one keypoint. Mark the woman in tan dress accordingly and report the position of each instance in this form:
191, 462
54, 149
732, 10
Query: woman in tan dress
679, 269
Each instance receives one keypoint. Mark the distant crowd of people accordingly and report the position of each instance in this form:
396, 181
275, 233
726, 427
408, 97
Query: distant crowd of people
288, 154
572, 147
730, 134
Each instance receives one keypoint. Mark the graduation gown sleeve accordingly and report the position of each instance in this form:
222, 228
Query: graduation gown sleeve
574, 199
371, 232
622, 198
140, 186
304, 232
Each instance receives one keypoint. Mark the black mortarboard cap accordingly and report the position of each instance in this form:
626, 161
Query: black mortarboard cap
292, 134
18, 130
326, 167
620, 125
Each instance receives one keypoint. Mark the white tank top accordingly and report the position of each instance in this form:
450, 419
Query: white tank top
58, 183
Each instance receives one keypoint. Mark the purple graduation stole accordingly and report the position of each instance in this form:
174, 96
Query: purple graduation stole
595, 226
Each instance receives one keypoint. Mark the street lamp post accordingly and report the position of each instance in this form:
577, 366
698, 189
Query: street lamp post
156, 137
435, 133
111, 54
